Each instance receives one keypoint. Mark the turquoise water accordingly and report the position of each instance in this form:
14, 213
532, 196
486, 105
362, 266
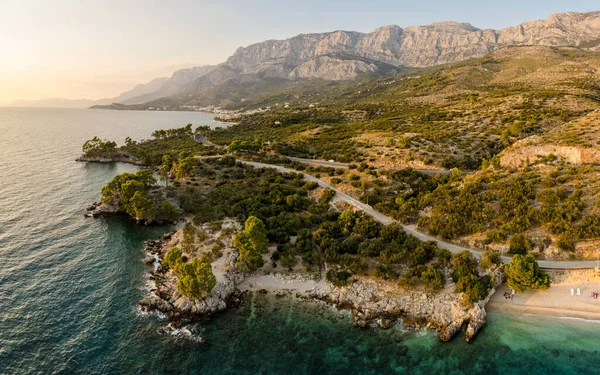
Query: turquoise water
69, 286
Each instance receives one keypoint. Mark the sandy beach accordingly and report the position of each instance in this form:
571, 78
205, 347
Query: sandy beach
556, 301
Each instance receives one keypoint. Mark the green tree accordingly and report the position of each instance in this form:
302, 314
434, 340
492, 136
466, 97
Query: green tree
432, 278
185, 167
463, 264
141, 208
165, 168
196, 279
523, 273
257, 234
173, 258
519, 244
252, 243
98, 147
490, 258
166, 211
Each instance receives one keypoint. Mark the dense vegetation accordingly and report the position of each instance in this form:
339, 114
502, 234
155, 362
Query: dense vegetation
133, 194
196, 279
96, 147
252, 243
171, 143
523, 273
278, 207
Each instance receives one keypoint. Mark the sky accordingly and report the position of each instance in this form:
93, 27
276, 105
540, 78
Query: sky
96, 49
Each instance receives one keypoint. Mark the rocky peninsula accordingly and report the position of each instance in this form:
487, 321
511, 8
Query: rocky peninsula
372, 302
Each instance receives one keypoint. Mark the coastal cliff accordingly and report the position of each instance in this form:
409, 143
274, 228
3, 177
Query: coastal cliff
119, 157
372, 302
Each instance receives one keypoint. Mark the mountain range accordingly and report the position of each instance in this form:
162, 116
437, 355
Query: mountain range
345, 55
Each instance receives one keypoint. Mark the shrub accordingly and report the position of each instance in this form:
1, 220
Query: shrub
432, 278
565, 242
196, 279
490, 258
338, 278
519, 244
173, 258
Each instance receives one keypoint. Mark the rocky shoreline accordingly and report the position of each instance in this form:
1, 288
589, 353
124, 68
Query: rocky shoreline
119, 157
372, 302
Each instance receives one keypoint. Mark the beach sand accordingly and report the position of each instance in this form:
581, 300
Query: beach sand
556, 301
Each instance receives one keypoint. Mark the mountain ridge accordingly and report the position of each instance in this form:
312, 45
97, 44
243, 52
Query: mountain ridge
342, 55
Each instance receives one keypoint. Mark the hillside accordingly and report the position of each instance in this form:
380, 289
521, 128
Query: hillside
521, 122
448, 116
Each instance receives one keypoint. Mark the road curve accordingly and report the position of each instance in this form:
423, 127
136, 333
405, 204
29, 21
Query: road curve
545, 264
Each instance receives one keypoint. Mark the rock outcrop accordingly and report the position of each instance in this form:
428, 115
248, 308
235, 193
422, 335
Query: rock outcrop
573, 142
117, 157
165, 297
373, 302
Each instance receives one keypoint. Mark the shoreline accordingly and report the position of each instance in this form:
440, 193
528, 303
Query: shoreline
495, 308
370, 301
557, 301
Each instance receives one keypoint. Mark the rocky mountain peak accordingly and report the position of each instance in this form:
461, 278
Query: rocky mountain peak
452, 27
340, 55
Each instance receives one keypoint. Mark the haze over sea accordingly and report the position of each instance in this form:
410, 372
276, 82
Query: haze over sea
69, 286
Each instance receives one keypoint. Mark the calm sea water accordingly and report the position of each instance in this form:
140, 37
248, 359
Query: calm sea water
69, 286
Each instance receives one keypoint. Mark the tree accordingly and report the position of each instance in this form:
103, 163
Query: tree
165, 168
98, 147
464, 264
519, 244
185, 167
166, 211
129, 192
467, 278
196, 279
474, 288
141, 207
490, 258
173, 258
252, 243
523, 273
433, 278
257, 233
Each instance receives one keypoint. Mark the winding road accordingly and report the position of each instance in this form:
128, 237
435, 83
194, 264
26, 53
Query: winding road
545, 264
333, 164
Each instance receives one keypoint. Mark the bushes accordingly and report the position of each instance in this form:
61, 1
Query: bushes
519, 244
433, 278
173, 258
475, 288
338, 278
252, 243
196, 279
566, 243
467, 279
455, 212
490, 258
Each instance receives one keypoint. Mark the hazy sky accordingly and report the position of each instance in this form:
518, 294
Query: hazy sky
94, 49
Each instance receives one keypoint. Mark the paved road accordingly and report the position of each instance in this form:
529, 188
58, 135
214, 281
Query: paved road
333, 164
546, 264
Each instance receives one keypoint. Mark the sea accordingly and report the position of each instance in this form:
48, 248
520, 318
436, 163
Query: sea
69, 286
